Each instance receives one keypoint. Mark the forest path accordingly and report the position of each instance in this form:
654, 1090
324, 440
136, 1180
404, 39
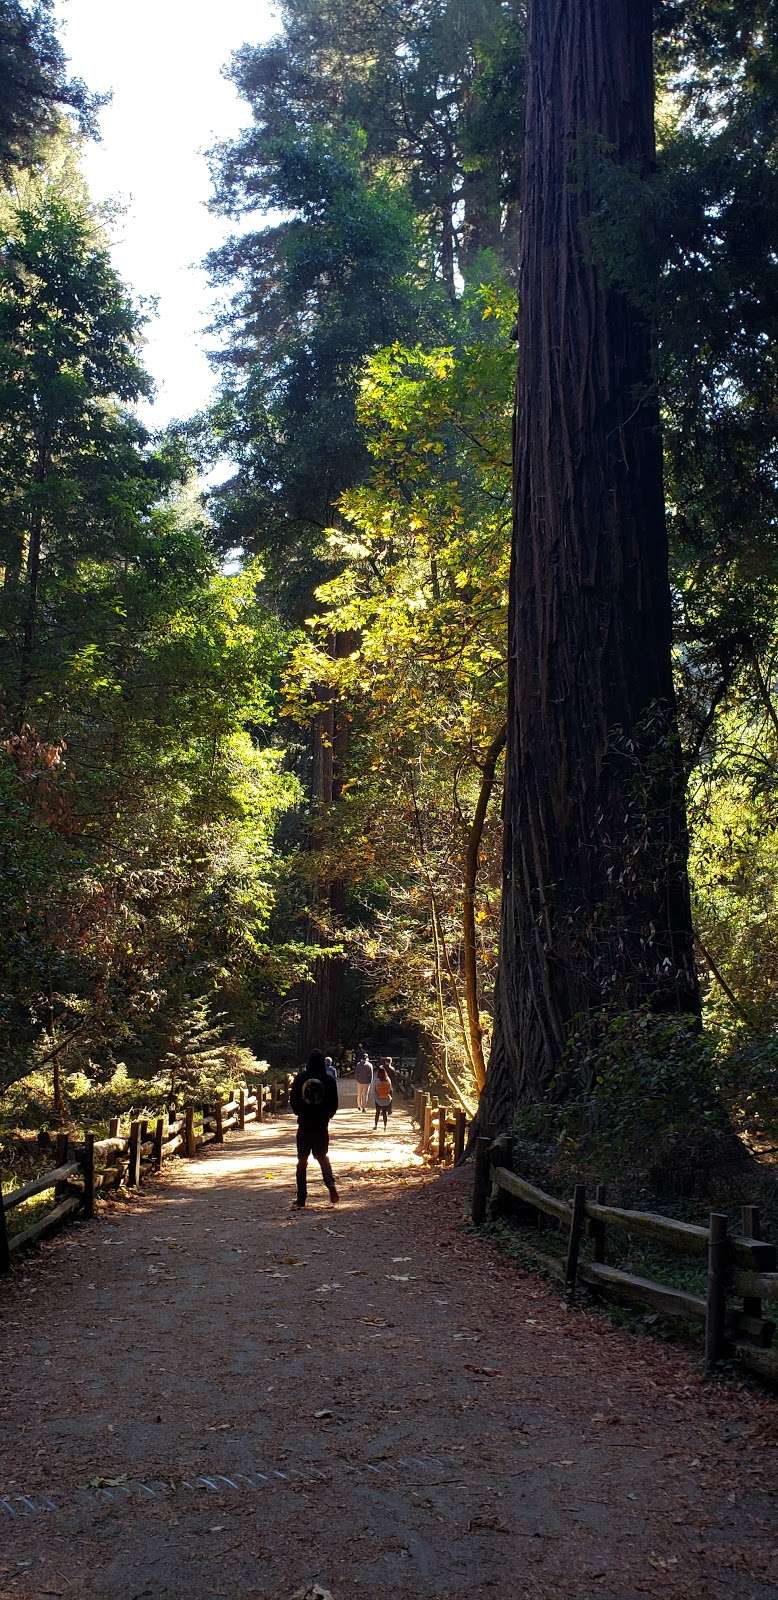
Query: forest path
162, 1371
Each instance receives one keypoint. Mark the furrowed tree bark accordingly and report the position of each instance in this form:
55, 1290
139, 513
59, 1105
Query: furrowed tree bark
596, 910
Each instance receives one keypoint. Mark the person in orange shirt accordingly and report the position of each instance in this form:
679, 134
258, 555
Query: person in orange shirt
382, 1094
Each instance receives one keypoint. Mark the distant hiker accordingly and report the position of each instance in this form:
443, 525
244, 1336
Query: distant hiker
330, 1067
363, 1075
382, 1094
314, 1100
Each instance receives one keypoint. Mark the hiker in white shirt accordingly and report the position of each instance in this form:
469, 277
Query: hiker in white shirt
363, 1076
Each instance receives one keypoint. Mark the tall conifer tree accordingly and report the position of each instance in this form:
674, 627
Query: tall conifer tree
596, 912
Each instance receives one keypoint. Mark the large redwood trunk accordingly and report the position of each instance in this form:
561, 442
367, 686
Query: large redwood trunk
596, 907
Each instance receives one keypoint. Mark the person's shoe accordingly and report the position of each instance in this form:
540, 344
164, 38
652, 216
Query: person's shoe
298, 1205
334, 1196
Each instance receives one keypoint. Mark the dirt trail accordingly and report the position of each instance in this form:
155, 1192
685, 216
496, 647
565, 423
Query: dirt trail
205, 1394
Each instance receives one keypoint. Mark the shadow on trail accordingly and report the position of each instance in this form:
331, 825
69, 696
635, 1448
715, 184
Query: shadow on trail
225, 1397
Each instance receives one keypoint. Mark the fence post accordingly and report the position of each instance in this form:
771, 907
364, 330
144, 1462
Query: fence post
219, 1139
133, 1171
159, 1133
577, 1225
89, 1175
717, 1290
426, 1127
501, 1203
459, 1134
241, 1108
442, 1133
189, 1134
260, 1102
5, 1249
481, 1180
273, 1096
752, 1227
597, 1228
61, 1150
113, 1127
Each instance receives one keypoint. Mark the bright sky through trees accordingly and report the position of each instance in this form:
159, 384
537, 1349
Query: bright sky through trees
162, 60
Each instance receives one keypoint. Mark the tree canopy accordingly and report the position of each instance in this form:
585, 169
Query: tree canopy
253, 739
35, 88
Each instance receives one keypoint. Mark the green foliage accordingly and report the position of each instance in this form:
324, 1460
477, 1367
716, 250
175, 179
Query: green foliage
636, 1101
314, 296
370, 423
435, 87
420, 593
195, 1058
34, 87
747, 1078
366, 405
733, 810
139, 790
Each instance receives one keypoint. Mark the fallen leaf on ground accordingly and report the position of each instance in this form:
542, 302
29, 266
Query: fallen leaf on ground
487, 1525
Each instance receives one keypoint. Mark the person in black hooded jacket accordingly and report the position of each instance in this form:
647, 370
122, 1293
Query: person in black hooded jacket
314, 1100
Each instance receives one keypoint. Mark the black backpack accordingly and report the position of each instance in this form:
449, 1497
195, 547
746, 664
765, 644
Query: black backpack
313, 1093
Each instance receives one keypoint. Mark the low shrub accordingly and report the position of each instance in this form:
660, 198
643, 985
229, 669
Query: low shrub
638, 1098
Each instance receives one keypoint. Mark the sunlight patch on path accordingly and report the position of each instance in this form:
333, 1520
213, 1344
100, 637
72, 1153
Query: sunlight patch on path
267, 1155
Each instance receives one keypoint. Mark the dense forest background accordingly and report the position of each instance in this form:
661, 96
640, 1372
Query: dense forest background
252, 741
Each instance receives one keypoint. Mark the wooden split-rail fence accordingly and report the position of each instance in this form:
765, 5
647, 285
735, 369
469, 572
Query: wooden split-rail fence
740, 1267
88, 1166
443, 1127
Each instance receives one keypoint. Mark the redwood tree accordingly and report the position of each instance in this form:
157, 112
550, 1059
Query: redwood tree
596, 912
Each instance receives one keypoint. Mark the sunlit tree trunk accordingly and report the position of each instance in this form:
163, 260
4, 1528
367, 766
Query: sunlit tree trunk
469, 950
33, 552
596, 906
322, 999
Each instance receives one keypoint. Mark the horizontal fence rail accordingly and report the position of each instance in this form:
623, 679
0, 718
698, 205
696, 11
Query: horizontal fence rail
740, 1267
443, 1128
90, 1166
